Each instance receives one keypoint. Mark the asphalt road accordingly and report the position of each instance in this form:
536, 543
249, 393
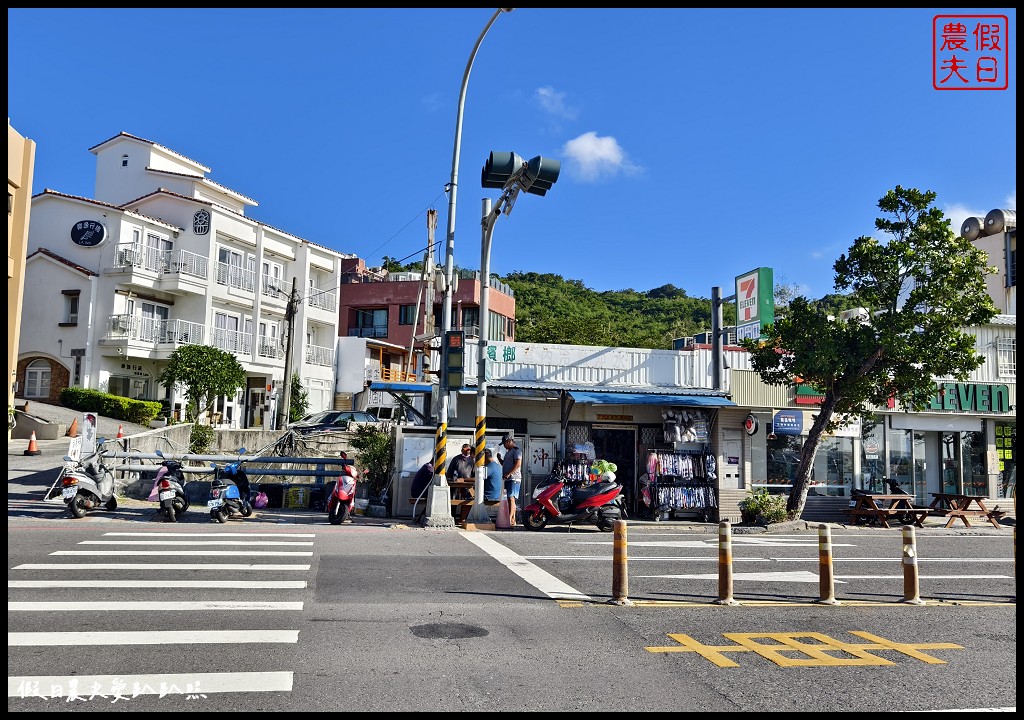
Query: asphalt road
383, 616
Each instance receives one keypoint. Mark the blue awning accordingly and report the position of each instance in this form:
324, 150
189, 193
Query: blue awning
620, 398
401, 386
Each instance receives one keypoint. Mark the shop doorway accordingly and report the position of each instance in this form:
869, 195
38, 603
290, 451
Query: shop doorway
617, 444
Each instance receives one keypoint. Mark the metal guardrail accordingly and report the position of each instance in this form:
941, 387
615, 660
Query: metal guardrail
256, 470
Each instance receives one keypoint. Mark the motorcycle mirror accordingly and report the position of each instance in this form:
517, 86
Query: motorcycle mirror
242, 451
100, 441
159, 453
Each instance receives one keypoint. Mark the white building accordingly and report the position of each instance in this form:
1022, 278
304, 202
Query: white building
160, 258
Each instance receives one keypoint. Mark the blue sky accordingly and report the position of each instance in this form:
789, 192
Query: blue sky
696, 144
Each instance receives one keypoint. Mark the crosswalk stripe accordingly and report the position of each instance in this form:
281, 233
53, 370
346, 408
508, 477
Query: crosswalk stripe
248, 584
155, 566
60, 686
192, 553
151, 637
219, 535
154, 605
247, 543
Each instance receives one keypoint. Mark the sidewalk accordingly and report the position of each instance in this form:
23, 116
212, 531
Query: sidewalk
30, 476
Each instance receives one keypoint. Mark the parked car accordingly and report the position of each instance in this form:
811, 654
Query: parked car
333, 420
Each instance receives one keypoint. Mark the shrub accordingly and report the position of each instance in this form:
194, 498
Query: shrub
763, 507
139, 412
200, 439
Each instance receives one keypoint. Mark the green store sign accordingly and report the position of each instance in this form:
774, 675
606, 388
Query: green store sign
971, 397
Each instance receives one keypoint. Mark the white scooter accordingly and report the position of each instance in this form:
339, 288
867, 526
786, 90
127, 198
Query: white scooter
88, 483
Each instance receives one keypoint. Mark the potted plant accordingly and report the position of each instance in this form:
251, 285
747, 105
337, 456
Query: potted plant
375, 456
761, 507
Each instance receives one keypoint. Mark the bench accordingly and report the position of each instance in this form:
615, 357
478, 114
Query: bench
463, 506
956, 506
882, 515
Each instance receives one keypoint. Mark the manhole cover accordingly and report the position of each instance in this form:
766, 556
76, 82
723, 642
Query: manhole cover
447, 631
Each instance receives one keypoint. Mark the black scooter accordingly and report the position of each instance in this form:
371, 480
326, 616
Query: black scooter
169, 489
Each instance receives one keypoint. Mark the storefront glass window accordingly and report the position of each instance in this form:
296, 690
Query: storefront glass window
1006, 442
872, 461
783, 458
950, 463
972, 454
833, 467
901, 457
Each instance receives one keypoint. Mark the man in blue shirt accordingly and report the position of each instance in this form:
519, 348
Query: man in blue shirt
492, 479
512, 473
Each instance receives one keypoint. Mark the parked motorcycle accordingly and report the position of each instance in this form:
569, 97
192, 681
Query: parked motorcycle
229, 491
564, 501
169, 489
88, 483
343, 496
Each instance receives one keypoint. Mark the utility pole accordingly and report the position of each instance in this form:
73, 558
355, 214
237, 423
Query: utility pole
284, 410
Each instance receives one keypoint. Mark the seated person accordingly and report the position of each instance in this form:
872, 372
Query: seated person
493, 483
424, 476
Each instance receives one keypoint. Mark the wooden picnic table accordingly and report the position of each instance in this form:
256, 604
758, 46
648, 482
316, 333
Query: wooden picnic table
963, 507
878, 508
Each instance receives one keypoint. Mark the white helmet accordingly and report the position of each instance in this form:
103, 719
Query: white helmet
607, 476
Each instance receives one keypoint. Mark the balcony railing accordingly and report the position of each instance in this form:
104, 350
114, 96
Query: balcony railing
316, 355
236, 277
275, 287
267, 347
370, 331
232, 341
394, 375
188, 263
153, 330
323, 300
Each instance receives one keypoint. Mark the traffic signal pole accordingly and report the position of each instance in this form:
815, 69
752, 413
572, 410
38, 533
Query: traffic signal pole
439, 509
478, 516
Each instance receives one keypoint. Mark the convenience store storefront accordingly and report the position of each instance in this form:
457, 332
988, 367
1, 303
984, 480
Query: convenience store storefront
963, 442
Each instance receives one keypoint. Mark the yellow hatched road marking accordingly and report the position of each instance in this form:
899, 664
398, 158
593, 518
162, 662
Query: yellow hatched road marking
794, 650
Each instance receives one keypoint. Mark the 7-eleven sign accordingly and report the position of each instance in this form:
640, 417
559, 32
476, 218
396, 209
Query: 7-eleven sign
755, 298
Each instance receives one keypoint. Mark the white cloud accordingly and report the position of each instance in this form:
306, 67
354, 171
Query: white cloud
553, 103
590, 158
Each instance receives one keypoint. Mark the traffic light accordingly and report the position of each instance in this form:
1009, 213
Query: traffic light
499, 168
455, 359
541, 173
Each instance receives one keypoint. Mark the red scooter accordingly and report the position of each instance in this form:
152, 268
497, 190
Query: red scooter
565, 501
343, 496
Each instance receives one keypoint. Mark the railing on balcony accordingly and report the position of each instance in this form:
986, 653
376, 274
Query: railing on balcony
370, 331
232, 341
323, 299
236, 277
181, 332
138, 256
275, 287
268, 347
316, 355
153, 330
395, 375
189, 263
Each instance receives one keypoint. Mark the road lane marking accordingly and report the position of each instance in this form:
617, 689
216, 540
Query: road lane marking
165, 543
540, 579
129, 686
151, 637
220, 535
192, 553
153, 605
246, 584
155, 566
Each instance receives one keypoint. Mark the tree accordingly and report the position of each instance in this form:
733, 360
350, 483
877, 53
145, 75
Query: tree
207, 373
298, 400
376, 454
924, 286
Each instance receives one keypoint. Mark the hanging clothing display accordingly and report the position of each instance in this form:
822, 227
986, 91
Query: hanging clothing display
678, 483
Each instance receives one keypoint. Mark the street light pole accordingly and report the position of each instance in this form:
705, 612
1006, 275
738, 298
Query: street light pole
439, 510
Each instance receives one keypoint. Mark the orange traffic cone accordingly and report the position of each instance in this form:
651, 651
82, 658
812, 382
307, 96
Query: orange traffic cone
120, 431
33, 448
502, 521
73, 430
